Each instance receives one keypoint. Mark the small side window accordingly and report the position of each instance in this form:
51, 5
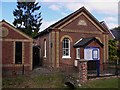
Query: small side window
77, 53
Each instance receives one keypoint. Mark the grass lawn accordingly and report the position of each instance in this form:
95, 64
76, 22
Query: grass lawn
54, 81
102, 83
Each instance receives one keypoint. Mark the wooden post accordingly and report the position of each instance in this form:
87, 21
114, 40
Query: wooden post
82, 70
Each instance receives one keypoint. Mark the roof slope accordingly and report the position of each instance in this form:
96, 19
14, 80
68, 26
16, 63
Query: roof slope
65, 19
17, 30
85, 41
116, 34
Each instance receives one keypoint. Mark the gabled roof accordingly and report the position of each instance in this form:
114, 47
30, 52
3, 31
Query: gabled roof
18, 31
116, 34
106, 27
65, 19
85, 41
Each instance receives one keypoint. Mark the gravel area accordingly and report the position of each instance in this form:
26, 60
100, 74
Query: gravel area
42, 71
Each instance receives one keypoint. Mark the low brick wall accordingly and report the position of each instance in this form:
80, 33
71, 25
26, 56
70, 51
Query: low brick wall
10, 71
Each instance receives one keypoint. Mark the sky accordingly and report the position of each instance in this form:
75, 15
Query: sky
54, 10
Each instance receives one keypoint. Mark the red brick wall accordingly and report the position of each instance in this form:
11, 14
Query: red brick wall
27, 53
7, 52
8, 65
40, 42
75, 37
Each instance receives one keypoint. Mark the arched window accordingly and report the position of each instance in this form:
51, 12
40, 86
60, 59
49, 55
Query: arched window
45, 48
66, 48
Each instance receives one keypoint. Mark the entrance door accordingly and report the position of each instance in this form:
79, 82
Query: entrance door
36, 57
92, 54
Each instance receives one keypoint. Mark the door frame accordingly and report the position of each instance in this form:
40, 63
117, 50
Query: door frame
93, 57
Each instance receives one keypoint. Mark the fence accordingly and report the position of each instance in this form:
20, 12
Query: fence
111, 68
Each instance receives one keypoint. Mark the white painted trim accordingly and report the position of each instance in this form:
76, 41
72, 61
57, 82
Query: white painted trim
69, 51
112, 34
78, 41
65, 57
69, 47
45, 49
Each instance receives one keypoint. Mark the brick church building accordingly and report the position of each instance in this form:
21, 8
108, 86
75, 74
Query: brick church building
77, 36
16, 49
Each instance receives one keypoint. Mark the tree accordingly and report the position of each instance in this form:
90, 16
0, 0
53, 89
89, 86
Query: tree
117, 28
112, 49
113, 53
27, 17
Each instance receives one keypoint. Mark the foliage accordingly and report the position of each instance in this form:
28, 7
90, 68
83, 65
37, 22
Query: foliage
113, 54
27, 17
117, 28
112, 50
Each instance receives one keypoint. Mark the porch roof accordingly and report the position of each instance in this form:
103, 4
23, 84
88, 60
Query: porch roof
85, 41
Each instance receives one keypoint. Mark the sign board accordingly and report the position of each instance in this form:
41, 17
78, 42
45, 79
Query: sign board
91, 53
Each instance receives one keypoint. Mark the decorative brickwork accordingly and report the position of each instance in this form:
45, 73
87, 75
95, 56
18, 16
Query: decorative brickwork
66, 36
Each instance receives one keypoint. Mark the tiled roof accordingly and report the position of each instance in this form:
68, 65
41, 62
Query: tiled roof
85, 41
116, 34
60, 22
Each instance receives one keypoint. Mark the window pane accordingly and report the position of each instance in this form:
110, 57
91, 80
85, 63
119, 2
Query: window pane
66, 47
63, 52
95, 54
67, 52
78, 53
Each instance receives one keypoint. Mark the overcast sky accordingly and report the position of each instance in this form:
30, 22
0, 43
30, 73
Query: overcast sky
54, 10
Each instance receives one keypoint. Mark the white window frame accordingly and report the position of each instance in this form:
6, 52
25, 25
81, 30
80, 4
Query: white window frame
66, 56
45, 48
77, 53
